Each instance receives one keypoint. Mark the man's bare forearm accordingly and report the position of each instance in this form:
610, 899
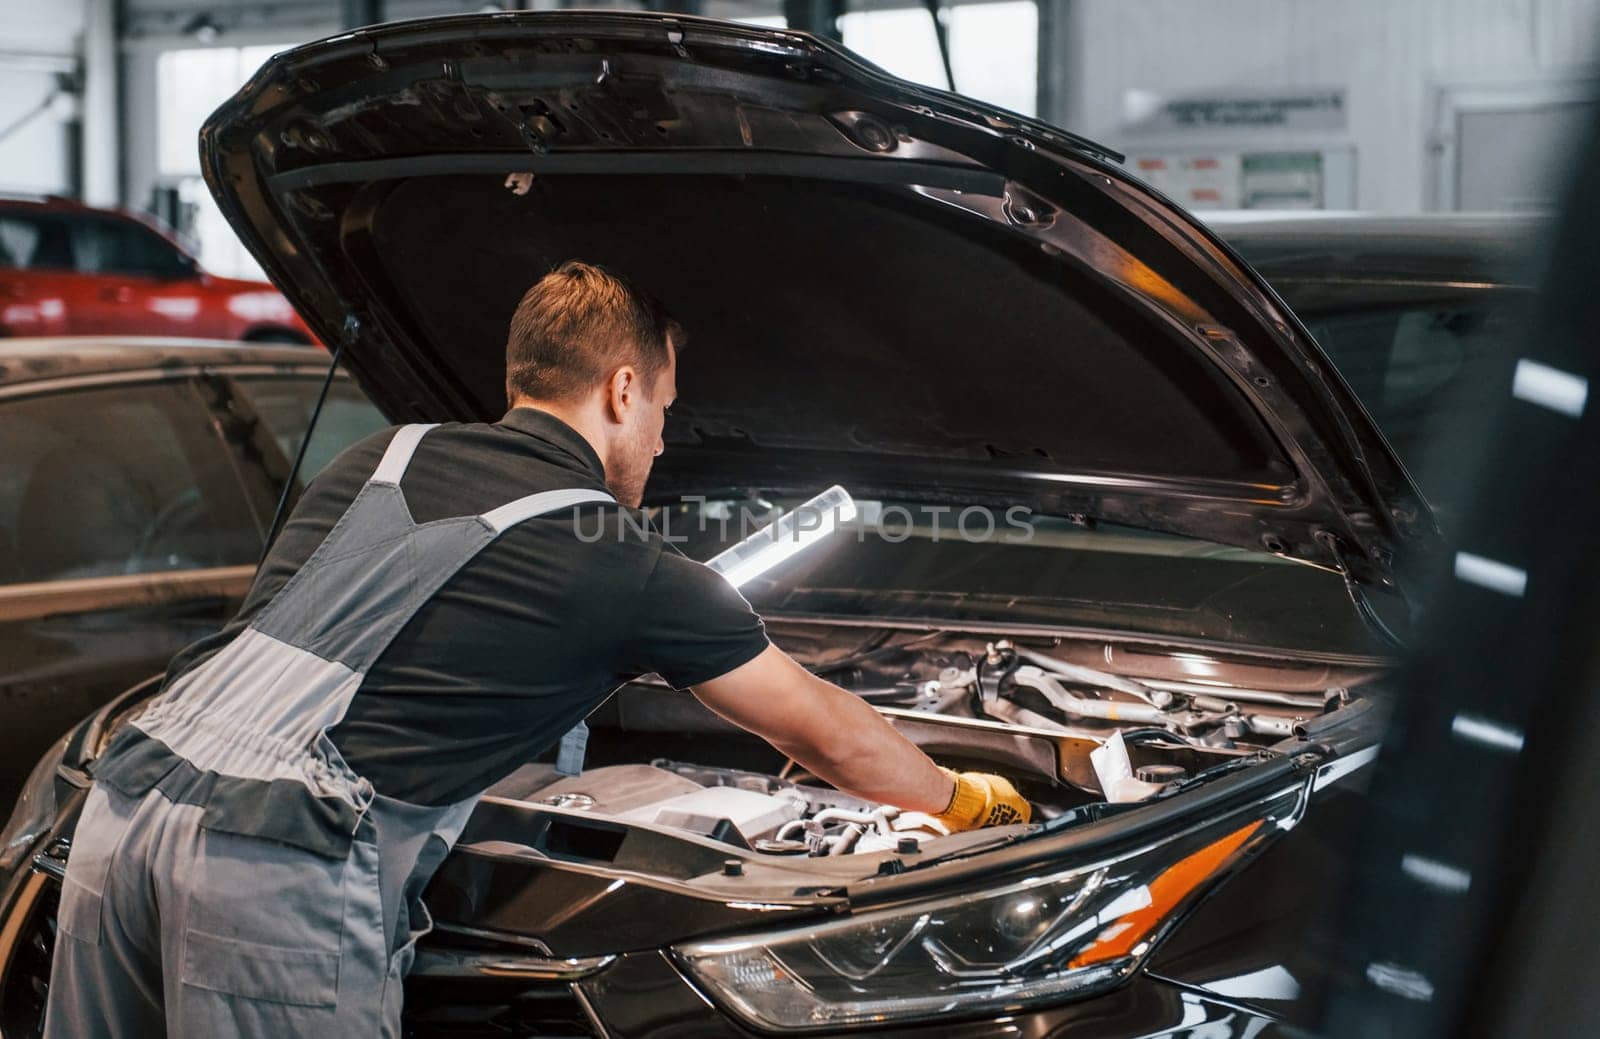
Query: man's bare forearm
861, 753
833, 733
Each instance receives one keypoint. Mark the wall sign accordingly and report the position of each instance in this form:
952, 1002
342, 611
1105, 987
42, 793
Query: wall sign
1315, 110
1224, 179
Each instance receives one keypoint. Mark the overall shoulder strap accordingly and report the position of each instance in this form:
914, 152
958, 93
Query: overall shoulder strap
398, 456
514, 512
569, 759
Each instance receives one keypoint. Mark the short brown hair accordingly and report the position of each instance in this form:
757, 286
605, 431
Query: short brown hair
576, 326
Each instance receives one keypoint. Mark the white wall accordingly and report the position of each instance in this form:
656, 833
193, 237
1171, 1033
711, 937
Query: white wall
1391, 57
33, 159
37, 40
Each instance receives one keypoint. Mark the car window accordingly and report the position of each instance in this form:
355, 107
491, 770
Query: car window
108, 246
34, 242
1426, 374
285, 405
1430, 348
117, 480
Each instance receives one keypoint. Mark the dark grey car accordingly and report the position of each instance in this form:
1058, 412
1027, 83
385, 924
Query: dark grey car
137, 481
1416, 313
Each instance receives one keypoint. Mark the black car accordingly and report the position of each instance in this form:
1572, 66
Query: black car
1109, 495
137, 482
1417, 314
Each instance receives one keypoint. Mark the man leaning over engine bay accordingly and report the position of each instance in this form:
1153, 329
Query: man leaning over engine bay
251, 857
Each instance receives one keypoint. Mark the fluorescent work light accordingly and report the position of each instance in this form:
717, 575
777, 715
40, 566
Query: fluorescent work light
788, 535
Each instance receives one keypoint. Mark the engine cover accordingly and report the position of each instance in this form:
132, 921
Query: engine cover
753, 814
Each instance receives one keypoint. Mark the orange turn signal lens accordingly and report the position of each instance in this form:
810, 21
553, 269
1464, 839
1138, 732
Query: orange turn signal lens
1167, 890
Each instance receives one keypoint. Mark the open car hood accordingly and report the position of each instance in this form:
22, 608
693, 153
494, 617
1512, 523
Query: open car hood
885, 285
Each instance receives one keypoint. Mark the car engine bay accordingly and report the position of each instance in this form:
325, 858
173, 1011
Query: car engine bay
1075, 740
749, 810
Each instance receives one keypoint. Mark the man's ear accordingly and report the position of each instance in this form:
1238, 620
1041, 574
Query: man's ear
620, 393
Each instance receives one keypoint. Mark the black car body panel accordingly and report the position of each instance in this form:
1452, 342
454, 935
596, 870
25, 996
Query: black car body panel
939, 281
1346, 261
661, 1002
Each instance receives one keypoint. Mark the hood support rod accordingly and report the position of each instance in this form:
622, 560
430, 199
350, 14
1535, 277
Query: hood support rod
281, 513
941, 32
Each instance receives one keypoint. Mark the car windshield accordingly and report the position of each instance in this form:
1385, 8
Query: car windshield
917, 561
287, 404
1426, 371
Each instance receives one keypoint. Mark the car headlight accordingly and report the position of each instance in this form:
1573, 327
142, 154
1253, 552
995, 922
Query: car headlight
35, 810
1044, 939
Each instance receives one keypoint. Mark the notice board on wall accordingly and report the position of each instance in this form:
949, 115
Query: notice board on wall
1243, 150
1235, 180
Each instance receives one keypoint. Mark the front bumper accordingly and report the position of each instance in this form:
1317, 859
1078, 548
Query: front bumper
458, 994
644, 994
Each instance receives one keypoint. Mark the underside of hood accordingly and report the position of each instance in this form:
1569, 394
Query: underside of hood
884, 285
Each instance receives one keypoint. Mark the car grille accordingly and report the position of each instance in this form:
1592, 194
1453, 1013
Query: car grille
457, 1010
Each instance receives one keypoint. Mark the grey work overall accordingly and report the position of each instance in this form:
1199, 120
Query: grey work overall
230, 874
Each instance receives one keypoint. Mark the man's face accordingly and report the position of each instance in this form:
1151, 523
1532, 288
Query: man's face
635, 451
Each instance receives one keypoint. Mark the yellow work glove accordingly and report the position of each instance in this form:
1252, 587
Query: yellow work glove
981, 799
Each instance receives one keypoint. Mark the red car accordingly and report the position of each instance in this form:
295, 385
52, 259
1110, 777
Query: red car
71, 269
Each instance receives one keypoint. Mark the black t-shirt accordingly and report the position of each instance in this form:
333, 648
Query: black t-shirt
530, 635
